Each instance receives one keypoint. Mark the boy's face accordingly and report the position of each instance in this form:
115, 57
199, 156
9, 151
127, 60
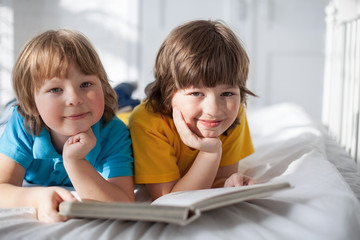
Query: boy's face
208, 112
72, 104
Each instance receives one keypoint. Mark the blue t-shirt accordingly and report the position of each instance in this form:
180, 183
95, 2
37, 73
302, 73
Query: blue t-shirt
111, 156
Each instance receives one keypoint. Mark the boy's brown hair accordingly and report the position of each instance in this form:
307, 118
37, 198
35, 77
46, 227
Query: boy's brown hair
197, 53
49, 55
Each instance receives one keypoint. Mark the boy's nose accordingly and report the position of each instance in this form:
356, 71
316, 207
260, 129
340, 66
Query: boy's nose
211, 106
73, 98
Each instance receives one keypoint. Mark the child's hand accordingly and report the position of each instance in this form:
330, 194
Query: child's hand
79, 145
190, 138
237, 180
48, 203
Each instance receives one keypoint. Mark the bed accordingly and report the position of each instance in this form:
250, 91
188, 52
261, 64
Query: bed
320, 161
324, 203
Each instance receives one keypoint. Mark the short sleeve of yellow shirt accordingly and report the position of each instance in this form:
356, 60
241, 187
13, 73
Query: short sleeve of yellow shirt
159, 154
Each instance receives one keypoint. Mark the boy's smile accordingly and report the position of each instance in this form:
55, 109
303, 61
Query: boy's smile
209, 123
76, 116
70, 104
208, 112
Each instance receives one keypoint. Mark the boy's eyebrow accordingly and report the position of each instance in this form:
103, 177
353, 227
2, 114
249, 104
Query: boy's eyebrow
52, 80
48, 79
230, 87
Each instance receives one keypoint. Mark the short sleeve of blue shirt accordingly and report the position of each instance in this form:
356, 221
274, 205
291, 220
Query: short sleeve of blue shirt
16, 142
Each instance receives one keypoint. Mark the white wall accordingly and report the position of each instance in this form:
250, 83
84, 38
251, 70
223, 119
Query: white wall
111, 25
6, 51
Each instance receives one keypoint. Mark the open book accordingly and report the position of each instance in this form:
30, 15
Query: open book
178, 207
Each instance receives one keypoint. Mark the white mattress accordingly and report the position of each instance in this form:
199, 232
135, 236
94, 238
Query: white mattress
324, 203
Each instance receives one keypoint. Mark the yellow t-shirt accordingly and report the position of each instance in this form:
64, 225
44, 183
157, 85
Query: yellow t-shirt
159, 154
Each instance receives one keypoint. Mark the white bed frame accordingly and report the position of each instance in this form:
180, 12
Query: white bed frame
341, 102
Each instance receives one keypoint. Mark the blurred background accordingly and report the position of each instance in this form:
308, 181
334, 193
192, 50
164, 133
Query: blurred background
285, 39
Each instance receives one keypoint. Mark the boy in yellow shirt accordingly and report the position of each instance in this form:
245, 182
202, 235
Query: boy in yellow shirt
191, 130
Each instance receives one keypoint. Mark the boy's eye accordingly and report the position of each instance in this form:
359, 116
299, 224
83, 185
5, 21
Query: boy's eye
85, 84
196, 94
227, 94
55, 90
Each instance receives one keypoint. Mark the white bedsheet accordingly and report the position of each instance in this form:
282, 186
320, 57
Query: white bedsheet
289, 147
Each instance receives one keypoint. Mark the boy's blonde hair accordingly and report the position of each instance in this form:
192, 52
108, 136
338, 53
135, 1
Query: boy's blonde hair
49, 55
197, 53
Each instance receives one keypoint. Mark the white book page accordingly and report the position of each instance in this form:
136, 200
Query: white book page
189, 198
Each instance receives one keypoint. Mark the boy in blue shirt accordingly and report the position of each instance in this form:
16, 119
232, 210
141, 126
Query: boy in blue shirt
63, 131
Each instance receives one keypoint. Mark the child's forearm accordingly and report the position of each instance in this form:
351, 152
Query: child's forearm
202, 173
90, 185
18, 196
44, 199
13, 196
